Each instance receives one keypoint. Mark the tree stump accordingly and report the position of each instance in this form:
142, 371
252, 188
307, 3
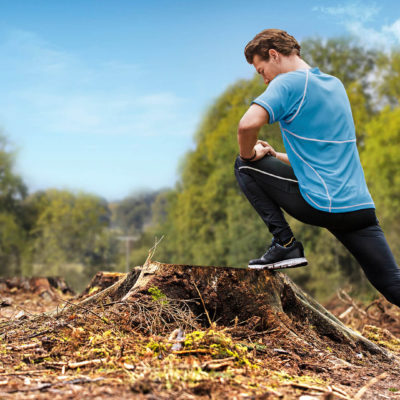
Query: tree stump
42, 286
101, 281
265, 301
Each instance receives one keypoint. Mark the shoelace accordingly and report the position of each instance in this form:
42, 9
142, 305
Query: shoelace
272, 246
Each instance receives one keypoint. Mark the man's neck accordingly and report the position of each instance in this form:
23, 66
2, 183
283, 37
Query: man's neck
294, 63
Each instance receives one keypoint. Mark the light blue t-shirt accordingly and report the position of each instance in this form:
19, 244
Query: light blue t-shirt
317, 127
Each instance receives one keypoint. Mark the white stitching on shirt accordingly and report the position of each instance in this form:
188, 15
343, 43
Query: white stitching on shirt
319, 140
302, 100
272, 111
267, 173
355, 205
319, 176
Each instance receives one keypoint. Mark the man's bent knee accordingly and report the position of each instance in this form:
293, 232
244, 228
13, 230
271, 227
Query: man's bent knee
238, 162
392, 294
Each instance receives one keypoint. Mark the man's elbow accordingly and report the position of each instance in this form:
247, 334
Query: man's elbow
246, 126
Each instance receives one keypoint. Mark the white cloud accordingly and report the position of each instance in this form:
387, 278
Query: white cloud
356, 16
356, 10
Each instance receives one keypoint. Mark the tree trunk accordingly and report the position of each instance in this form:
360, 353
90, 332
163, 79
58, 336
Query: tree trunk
246, 299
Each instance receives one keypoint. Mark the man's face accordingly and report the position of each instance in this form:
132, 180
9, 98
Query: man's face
268, 69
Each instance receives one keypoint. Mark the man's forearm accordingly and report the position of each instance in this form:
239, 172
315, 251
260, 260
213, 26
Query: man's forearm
283, 157
247, 139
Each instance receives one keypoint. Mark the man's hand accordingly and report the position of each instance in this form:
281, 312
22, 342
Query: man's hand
262, 148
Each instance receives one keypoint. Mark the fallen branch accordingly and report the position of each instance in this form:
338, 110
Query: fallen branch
361, 392
24, 346
349, 300
204, 306
85, 363
331, 389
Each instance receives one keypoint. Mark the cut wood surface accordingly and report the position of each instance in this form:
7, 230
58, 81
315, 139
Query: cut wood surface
100, 281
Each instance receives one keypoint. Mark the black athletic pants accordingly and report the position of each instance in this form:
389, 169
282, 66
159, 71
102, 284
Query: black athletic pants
270, 185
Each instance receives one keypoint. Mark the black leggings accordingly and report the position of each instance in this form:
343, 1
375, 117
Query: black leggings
270, 185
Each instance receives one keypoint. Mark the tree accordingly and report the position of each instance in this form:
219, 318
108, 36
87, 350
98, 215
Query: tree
68, 228
12, 193
382, 164
134, 212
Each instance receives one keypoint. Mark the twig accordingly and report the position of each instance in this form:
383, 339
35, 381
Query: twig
39, 333
218, 364
24, 346
341, 396
31, 372
344, 314
84, 308
350, 300
49, 385
202, 301
304, 386
333, 389
153, 250
361, 392
338, 390
194, 351
33, 389
85, 363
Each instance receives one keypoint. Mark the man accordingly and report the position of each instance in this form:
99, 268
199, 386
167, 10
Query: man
319, 180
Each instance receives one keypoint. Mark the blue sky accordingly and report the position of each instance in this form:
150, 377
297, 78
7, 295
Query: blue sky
105, 96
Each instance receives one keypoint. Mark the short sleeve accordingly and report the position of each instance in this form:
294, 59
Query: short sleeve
282, 95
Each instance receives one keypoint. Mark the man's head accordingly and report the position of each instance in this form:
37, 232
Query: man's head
272, 52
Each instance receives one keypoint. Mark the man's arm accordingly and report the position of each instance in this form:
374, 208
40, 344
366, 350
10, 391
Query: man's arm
283, 157
249, 126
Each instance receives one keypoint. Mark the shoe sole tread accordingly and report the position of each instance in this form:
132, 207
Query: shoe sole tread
291, 263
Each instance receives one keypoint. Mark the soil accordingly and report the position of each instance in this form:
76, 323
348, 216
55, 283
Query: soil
156, 347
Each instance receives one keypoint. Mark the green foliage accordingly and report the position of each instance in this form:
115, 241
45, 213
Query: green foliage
381, 159
388, 83
158, 295
134, 212
12, 193
208, 220
219, 344
342, 57
69, 228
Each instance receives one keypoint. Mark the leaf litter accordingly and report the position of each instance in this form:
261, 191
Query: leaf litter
156, 348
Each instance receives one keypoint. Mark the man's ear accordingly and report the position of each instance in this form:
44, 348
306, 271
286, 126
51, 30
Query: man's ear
273, 55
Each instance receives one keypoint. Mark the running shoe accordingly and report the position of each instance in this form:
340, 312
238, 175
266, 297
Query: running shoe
278, 257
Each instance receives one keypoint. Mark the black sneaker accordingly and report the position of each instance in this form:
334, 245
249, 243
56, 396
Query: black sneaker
278, 257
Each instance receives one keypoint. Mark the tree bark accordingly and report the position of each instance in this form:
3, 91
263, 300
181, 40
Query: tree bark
264, 300
101, 281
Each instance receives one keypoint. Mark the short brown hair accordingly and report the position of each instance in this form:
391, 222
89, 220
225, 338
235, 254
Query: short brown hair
276, 39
